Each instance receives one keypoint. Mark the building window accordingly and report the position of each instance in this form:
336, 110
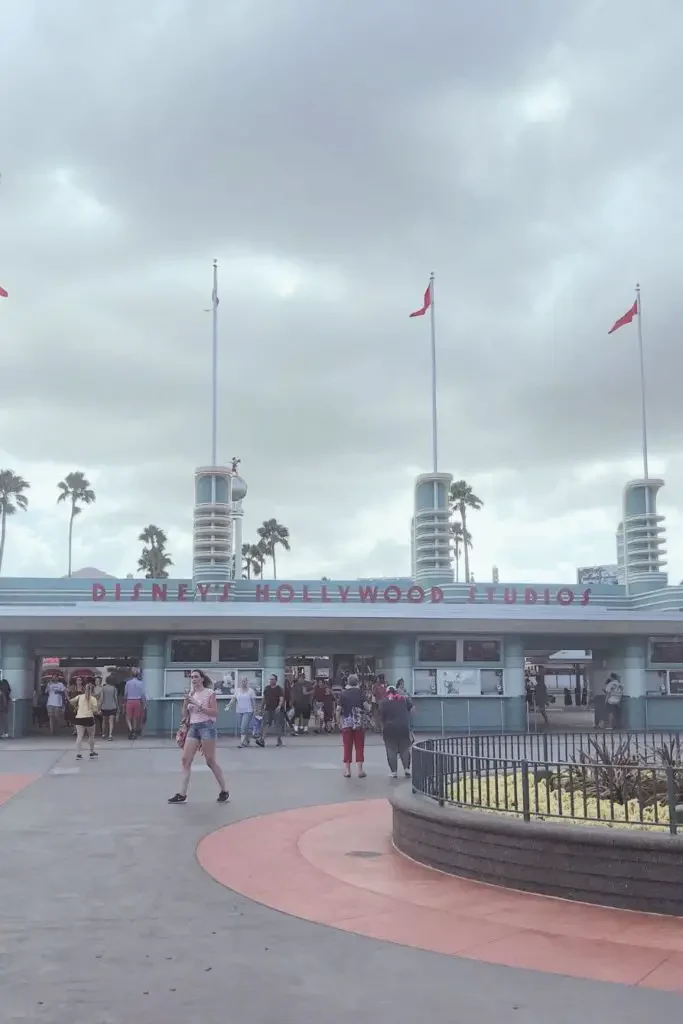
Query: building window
194, 650
667, 652
481, 650
431, 651
239, 650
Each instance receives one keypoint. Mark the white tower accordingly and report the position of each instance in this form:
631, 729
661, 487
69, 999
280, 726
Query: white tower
217, 533
430, 529
641, 535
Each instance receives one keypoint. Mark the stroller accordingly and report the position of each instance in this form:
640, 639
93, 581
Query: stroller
257, 730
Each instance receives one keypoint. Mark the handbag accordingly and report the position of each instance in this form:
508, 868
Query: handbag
181, 735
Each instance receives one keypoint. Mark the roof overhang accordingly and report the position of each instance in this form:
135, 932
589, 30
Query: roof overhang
254, 617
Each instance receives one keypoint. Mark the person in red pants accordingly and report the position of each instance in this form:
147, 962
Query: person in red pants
353, 710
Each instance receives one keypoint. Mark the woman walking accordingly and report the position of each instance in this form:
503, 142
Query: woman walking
353, 709
244, 700
394, 715
109, 709
86, 709
200, 712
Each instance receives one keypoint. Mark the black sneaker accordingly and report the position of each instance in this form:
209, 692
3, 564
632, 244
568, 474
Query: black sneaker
177, 799
223, 796
93, 753
79, 757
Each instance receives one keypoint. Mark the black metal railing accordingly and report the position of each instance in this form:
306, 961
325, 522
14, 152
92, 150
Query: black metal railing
618, 779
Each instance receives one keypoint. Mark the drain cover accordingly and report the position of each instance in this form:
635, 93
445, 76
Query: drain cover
363, 853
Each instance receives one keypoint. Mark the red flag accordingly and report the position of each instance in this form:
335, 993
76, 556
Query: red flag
425, 304
3, 293
625, 319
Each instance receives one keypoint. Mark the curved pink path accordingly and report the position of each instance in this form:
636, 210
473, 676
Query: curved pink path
335, 865
10, 785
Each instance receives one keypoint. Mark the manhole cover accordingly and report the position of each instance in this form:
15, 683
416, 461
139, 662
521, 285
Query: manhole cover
363, 853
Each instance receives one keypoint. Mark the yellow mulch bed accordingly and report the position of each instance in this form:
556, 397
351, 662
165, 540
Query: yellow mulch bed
551, 805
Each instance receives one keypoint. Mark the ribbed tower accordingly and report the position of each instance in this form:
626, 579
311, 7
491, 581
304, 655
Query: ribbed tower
430, 529
217, 532
641, 537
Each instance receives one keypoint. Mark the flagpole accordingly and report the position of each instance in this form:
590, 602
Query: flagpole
214, 369
433, 339
643, 412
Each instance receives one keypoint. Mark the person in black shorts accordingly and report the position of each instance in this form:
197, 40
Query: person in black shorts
273, 711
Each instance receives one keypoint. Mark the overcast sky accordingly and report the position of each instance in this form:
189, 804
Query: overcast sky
329, 155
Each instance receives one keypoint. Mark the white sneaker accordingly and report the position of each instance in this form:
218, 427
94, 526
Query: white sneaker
394, 775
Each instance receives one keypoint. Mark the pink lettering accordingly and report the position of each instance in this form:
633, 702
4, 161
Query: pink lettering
415, 594
203, 590
436, 595
510, 595
546, 595
159, 591
564, 596
117, 591
368, 593
182, 591
392, 593
305, 596
324, 596
137, 590
344, 593
530, 595
225, 596
490, 594
586, 596
99, 592
285, 593
262, 592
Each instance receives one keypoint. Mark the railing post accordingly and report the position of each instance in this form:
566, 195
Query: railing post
671, 799
526, 809
442, 728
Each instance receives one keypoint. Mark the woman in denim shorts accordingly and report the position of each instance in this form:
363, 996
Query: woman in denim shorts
200, 711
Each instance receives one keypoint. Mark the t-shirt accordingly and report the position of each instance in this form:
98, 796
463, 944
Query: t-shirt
56, 695
614, 691
201, 697
272, 696
244, 701
395, 714
110, 697
86, 707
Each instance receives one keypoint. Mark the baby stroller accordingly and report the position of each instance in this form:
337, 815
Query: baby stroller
257, 729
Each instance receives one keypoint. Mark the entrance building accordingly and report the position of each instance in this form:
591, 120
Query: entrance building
460, 649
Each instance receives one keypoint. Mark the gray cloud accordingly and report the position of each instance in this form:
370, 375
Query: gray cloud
330, 155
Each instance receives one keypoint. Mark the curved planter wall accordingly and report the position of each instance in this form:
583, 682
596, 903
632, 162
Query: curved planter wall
612, 867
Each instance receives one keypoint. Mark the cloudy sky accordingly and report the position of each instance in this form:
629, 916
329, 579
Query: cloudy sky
329, 155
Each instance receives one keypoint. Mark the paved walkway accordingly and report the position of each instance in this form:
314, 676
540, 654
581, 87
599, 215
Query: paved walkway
107, 916
335, 864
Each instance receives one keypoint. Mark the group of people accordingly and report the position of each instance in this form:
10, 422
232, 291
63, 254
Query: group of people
356, 706
56, 704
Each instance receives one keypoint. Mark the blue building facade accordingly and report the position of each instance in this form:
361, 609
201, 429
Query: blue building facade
459, 648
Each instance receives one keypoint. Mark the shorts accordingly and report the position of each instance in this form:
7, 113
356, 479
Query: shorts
108, 713
87, 723
201, 731
54, 711
134, 709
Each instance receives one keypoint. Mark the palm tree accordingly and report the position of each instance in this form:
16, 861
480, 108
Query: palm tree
246, 561
272, 535
257, 556
12, 497
461, 538
461, 498
75, 488
154, 560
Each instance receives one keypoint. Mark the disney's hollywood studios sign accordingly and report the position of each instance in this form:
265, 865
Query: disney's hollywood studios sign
335, 593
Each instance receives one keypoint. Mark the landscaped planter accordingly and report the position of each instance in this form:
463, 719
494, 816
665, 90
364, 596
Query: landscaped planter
618, 867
